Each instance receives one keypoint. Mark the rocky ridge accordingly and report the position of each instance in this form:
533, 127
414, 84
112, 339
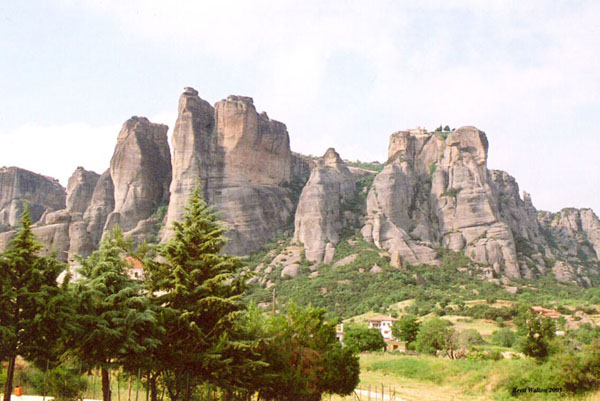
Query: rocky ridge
435, 191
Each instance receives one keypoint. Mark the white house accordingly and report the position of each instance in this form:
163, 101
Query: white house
384, 324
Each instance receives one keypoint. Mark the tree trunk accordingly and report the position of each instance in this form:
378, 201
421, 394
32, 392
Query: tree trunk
10, 373
152, 387
106, 396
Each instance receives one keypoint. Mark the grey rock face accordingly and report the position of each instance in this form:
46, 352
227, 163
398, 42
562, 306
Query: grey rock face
434, 191
191, 162
101, 205
319, 219
80, 190
571, 237
141, 172
243, 161
19, 187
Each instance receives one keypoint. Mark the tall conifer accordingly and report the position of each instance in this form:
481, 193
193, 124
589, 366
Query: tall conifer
199, 291
31, 302
115, 320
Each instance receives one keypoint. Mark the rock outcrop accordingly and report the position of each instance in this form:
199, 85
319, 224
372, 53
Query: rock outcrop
320, 216
80, 190
435, 191
140, 169
191, 160
19, 187
101, 205
243, 161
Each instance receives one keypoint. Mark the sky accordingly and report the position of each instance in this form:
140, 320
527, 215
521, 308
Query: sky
345, 74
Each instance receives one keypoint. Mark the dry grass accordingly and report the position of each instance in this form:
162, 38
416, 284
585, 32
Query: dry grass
483, 326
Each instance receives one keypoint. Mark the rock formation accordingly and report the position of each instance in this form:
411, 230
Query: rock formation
141, 173
435, 190
80, 190
102, 203
243, 161
319, 216
19, 187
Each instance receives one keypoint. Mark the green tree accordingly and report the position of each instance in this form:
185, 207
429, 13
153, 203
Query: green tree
434, 335
115, 320
406, 328
198, 289
32, 307
536, 332
360, 339
305, 359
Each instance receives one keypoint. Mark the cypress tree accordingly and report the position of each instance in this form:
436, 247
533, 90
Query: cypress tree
116, 322
199, 293
32, 308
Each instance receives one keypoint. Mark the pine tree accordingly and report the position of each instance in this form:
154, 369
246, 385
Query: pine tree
32, 308
199, 293
116, 322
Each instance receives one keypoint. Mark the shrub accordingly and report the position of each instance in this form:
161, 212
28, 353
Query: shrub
63, 383
504, 338
466, 339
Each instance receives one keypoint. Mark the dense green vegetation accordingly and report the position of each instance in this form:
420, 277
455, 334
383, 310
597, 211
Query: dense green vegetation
351, 290
183, 329
361, 339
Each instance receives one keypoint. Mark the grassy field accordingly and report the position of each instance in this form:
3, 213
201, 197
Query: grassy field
417, 378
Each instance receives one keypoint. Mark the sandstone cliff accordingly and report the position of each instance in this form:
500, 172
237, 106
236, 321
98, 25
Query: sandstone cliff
435, 191
141, 174
319, 217
243, 161
19, 187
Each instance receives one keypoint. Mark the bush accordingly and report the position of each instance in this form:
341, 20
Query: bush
586, 333
504, 338
63, 383
466, 339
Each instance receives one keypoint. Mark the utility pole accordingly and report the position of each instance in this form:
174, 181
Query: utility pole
274, 301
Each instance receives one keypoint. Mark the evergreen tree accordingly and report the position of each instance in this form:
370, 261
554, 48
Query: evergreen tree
32, 308
199, 292
116, 323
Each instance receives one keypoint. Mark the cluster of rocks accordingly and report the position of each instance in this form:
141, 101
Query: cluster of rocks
434, 191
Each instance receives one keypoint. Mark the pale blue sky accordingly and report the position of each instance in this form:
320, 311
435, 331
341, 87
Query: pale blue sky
345, 74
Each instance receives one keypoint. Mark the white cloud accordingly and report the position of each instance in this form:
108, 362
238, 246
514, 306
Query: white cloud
525, 72
56, 151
